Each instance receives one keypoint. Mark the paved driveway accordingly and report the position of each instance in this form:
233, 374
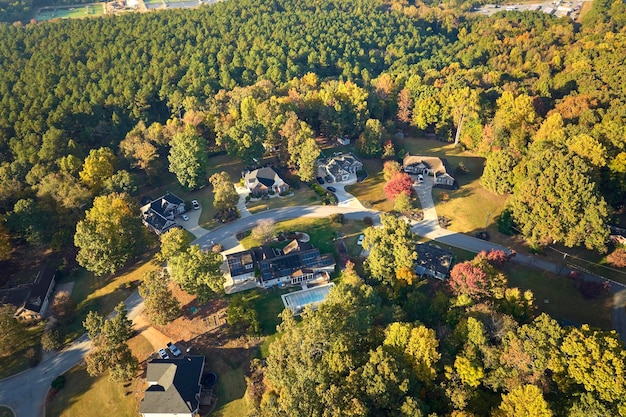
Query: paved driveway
344, 198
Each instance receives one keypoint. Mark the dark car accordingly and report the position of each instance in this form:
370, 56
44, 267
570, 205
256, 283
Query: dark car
328, 178
320, 180
332, 189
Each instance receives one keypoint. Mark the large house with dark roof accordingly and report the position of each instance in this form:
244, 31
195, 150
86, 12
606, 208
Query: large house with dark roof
32, 300
433, 261
174, 387
263, 180
298, 262
340, 167
429, 165
159, 215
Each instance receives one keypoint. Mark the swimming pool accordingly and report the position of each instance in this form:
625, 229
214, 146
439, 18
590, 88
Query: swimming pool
296, 301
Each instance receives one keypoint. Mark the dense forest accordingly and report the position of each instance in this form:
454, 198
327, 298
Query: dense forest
93, 109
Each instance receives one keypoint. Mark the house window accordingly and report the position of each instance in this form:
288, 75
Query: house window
249, 266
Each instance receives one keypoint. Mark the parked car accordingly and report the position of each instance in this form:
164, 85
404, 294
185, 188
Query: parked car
163, 354
184, 217
420, 178
195, 204
320, 180
172, 347
360, 241
332, 189
328, 179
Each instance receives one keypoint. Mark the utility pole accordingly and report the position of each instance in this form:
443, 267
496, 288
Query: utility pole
458, 130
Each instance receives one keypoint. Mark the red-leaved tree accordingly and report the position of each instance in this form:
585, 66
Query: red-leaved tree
399, 182
467, 278
496, 258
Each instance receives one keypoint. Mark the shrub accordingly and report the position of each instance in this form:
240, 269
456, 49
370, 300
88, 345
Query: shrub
592, 289
368, 221
617, 258
58, 383
51, 339
336, 218
505, 223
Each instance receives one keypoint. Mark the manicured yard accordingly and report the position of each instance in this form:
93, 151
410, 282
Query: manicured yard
305, 196
471, 207
102, 294
141, 347
370, 191
22, 357
230, 387
94, 397
564, 300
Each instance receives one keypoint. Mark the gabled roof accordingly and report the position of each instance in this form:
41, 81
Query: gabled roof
432, 162
433, 260
174, 385
340, 164
295, 245
40, 289
285, 265
237, 262
266, 176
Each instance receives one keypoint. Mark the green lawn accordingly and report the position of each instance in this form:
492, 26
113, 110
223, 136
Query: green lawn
305, 196
370, 191
20, 359
74, 12
564, 300
102, 294
94, 397
471, 207
230, 388
6, 412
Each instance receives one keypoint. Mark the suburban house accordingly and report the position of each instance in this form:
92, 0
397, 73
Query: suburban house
32, 300
298, 262
263, 180
429, 165
339, 167
174, 387
433, 261
159, 215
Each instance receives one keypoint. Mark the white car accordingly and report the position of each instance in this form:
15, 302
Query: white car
163, 354
360, 241
195, 204
420, 178
184, 217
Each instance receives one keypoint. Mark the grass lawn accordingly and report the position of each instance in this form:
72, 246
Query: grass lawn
6, 412
102, 294
305, 196
471, 207
321, 231
370, 191
93, 397
564, 300
230, 388
20, 360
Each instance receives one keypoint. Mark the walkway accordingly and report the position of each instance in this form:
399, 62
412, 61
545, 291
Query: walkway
191, 225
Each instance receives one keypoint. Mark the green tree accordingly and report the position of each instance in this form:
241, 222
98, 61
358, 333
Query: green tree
224, 194
65, 189
30, 221
119, 328
93, 324
391, 247
174, 242
557, 202
161, 305
98, 166
498, 173
242, 317
198, 272
402, 202
524, 401
370, 142
188, 158
245, 140
6, 246
301, 146
419, 344
109, 236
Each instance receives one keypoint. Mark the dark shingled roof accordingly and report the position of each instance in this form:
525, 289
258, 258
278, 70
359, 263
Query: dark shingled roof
174, 385
40, 288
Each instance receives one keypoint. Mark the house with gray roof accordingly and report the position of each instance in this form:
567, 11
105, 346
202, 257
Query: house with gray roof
429, 165
32, 300
159, 215
174, 387
263, 180
433, 261
339, 167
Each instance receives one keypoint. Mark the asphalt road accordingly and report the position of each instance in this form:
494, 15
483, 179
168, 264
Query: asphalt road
26, 392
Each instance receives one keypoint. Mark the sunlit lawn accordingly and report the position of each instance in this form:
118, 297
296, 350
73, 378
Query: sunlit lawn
564, 300
102, 294
305, 196
370, 191
93, 396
